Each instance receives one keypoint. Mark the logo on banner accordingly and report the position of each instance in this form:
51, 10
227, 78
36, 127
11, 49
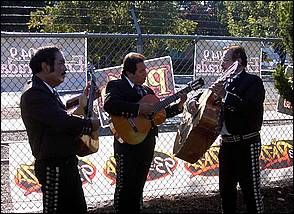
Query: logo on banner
18, 51
163, 165
87, 170
205, 166
277, 155
26, 179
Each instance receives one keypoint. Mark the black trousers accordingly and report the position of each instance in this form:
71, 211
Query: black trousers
239, 163
132, 167
61, 185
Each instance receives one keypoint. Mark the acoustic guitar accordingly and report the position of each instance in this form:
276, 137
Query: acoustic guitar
134, 130
86, 144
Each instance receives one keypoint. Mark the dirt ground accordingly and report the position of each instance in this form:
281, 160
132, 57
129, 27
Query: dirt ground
278, 198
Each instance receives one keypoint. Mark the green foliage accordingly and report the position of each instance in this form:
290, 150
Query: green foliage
285, 24
283, 83
251, 18
261, 19
83, 16
265, 19
154, 17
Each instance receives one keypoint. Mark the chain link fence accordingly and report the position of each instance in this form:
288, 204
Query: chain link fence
178, 61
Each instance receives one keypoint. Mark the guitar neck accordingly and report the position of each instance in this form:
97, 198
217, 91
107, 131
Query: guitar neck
162, 104
232, 71
89, 109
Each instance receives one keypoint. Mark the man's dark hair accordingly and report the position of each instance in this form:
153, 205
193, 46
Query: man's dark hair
130, 62
44, 54
238, 52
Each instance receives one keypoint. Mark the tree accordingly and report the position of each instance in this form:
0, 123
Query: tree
156, 17
285, 24
283, 83
208, 16
81, 16
266, 19
245, 18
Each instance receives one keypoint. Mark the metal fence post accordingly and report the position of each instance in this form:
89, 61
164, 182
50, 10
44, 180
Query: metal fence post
140, 38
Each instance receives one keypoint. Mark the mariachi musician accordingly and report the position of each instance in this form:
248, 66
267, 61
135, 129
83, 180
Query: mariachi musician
53, 134
133, 160
242, 96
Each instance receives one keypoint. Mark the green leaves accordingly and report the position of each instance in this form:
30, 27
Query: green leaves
156, 17
283, 84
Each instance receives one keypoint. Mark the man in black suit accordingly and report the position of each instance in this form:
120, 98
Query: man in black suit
133, 161
53, 134
242, 97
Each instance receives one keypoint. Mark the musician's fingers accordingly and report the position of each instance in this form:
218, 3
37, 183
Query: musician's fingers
213, 86
86, 91
192, 106
95, 124
97, 90
87, 88
88, 85
183, 97
97, 94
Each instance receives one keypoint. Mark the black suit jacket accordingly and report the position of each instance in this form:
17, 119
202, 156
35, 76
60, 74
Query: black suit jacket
51, 131
243, 106
121, 100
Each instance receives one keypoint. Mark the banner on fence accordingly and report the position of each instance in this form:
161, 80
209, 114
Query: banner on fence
98, 173
283, 105
159, 77
16, 53
209, 53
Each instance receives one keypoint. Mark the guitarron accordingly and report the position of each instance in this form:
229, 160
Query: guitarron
134, 130
86, 144
198, 131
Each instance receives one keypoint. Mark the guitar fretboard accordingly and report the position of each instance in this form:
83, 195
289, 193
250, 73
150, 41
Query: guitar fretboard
162, 104
89, 109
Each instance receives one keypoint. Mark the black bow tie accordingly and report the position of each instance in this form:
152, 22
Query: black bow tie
140, 90
56, 94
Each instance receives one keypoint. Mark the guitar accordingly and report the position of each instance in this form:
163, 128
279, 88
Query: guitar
87, 144
199, 130
134, 130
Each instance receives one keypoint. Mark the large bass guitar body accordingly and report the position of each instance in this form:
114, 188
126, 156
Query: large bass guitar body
197, 132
